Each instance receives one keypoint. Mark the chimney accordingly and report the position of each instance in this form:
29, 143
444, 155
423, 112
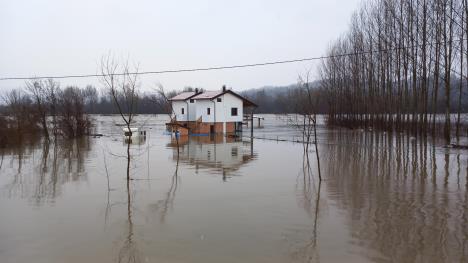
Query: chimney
224, 88
196, 90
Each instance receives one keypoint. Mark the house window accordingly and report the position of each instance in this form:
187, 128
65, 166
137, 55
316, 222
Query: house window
234, 151
208, 111
233, 111
183, 111
218, 99
192, 100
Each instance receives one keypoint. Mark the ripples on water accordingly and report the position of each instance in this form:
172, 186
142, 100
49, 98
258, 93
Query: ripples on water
385, 198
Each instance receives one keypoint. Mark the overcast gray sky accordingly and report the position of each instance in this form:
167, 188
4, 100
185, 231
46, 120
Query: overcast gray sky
56, 37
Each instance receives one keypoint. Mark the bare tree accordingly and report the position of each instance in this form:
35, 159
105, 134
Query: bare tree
28, 113
395, 67
306, 116
73, 120
461, 36
21, 115
161, 99
122, 84
91, 98
38, 93
52, 91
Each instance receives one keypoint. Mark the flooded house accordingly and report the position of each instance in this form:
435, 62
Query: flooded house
209, 112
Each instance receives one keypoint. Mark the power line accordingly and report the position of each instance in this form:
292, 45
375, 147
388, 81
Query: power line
167, 71
227, 67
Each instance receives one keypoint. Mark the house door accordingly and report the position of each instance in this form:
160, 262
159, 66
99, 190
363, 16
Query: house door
212, 130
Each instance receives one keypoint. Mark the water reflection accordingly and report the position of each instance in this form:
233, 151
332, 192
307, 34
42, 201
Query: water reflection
2, 156
216, 154
167, 203
384, 198
308, 189
49, 165
129, 251
399, 203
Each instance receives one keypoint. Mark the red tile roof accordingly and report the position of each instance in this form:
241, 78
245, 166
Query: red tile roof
209, 95
183, 96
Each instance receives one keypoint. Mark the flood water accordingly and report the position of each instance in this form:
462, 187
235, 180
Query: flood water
384, 198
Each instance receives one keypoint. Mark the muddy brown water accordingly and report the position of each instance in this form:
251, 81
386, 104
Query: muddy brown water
384, 198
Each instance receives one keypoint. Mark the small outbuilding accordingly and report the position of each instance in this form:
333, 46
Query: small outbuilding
134, 135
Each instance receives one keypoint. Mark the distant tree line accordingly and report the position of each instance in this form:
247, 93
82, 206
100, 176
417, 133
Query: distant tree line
400, 63
146, 103
94, 101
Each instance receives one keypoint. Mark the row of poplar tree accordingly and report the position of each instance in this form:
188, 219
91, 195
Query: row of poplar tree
400, 67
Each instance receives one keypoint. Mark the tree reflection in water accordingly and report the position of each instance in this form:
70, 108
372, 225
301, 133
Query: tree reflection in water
218, 154
382, 182
61, 161
164, 205
393, 198
1, 159
129, 251
128, 246
308, 189
108, 204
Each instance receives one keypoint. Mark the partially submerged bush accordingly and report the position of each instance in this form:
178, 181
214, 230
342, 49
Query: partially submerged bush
64, 110
72, 120
20, 115
18, 118
3, 132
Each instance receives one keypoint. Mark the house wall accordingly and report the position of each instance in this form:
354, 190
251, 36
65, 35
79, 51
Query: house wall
192, 111
201, 106
205, 127
177, 107
223, 108
183, 131
230, 128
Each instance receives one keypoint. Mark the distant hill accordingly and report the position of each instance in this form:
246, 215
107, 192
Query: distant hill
276, 90
273, 99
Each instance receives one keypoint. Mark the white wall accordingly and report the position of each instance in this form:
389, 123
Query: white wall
201, 106
223, 108
177, 107
192, 110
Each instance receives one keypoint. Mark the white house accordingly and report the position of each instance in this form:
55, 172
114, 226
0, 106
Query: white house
210, 111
